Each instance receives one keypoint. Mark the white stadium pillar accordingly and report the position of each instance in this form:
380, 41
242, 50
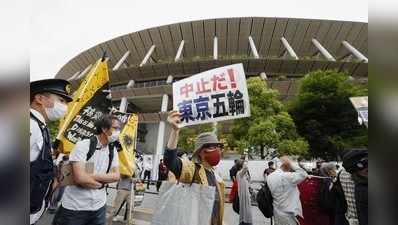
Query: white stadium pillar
123, 102
160, 139
121, 61
289, 48
179, 51
263, 76
130, 84
215, 57
253, 48
323, 50
215, 48
148, 54
84, 72
169, 79
355, 52
73, 76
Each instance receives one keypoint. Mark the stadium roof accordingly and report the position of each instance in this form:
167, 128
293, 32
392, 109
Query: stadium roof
283, 48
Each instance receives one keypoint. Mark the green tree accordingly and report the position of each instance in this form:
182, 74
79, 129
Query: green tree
53, 126
269, 124
324, 115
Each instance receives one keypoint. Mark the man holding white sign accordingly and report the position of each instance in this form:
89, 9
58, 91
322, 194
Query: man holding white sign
214, 95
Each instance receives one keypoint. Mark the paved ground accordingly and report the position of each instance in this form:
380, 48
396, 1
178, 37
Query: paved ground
150, 200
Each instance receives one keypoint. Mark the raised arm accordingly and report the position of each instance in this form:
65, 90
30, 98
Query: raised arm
173, 119
298, 174
172, 162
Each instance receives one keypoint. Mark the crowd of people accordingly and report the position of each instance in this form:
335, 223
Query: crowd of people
326, 195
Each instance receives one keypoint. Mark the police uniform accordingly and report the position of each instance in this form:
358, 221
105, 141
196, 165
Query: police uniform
41, 162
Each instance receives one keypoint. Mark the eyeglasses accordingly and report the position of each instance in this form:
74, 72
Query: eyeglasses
363, 163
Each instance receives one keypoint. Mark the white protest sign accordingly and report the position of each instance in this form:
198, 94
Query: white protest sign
361, 105
214, 95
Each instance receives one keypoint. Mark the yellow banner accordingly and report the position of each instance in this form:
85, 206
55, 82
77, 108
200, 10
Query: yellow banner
78, 123
128, 140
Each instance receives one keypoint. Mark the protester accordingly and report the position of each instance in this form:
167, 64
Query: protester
233, 171
354, 181
317, 170
84, 202
286, 197
234, 189
48, 100
162, 174
268, 170
245, 210
59, 189
207, 155
147, 171
328, 197
311, 193
123, 195
332, 198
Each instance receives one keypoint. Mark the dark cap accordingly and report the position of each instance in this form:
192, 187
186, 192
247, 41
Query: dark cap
56, 86
355, 160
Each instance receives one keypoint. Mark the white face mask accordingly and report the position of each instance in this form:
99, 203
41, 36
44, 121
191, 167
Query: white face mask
57, 112
114, 137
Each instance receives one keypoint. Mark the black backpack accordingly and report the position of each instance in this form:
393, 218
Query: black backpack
265, 200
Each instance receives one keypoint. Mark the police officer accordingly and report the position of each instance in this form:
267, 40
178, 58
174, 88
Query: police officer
48, 99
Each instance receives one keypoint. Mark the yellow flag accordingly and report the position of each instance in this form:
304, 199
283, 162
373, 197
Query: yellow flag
90, 102
128, 140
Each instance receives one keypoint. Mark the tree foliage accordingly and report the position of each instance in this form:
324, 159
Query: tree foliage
324, 115
269, 126
53, 126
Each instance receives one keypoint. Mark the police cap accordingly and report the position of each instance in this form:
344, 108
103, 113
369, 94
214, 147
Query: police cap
56, 86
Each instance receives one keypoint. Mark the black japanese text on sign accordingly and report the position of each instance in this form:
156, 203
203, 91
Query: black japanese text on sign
214, 95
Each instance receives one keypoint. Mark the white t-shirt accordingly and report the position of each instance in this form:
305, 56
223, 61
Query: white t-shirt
79, 198
147, 166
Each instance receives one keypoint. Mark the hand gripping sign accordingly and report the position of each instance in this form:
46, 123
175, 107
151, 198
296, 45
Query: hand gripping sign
214, 95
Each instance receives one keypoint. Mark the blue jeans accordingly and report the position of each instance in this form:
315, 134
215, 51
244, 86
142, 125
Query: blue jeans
72, 217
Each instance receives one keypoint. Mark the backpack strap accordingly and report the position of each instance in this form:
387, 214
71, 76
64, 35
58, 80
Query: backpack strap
195, 174
111, 154
92, 148
44, 132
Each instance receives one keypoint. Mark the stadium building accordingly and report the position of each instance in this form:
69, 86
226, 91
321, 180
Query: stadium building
144, 64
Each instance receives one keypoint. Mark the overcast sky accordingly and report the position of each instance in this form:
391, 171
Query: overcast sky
61, 29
